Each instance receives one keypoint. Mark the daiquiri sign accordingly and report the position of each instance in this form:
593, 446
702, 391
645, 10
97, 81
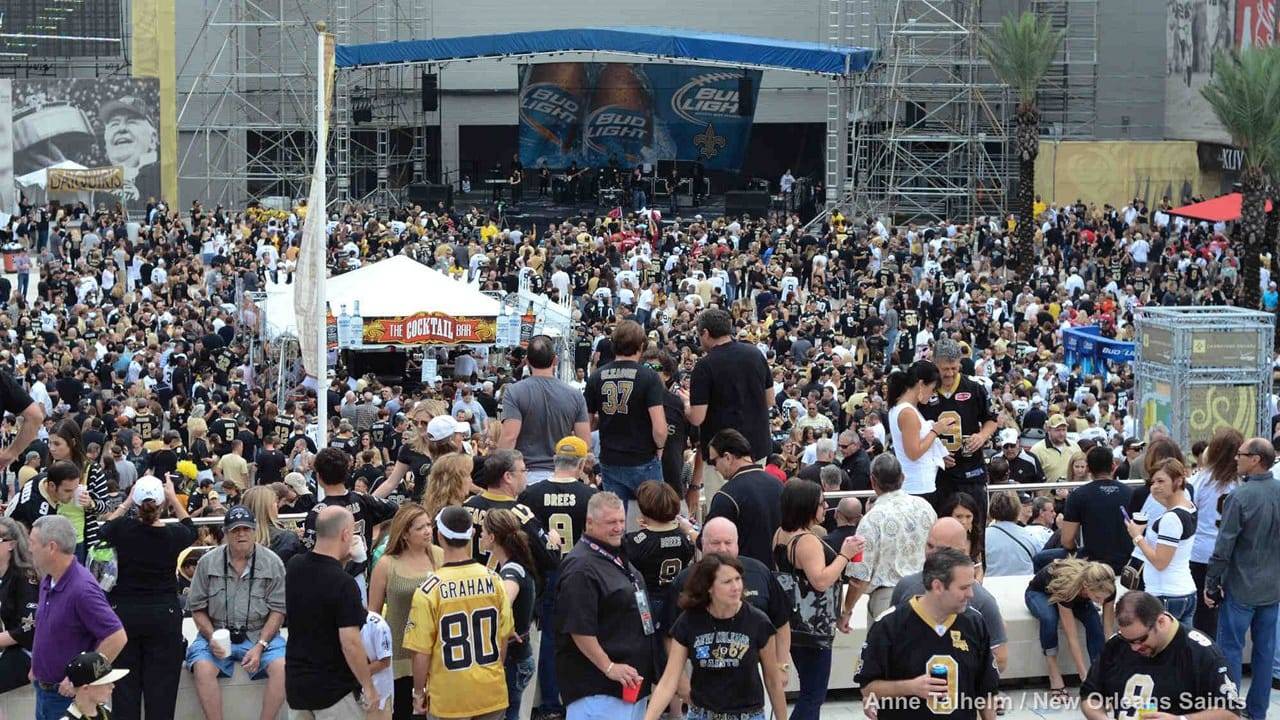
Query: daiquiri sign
429, 329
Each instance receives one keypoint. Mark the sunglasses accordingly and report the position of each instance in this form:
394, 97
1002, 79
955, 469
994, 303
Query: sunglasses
1138, 640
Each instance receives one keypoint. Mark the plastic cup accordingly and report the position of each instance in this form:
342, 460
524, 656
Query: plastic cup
631, 693
858, 557
1140, 518
222, 639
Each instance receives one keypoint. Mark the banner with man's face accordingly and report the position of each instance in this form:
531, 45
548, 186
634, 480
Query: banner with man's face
96, 123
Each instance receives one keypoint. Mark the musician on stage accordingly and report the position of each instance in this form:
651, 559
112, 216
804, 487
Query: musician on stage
544, 179
673, 189
574, 178
517, 177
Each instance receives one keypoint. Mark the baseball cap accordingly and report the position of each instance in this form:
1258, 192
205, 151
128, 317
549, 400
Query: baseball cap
1134, 444
297, 483
127, 104
239, 516
572, 447
1057, 420
1008, 436
148, 487
442, 427
92, 668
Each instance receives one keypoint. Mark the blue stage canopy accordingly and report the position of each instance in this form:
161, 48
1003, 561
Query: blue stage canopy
693, 46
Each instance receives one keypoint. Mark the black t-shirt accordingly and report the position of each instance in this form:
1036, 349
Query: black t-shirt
1189, 675
678, 433
1096, 506
147, 556
760, 587
560, 504
320, 598
731, 380
659, 555
970, 404
419, 465
521, 609
597, 597
726, 657
369, 512
621, 394
270, 465
752, 499
1040, 583
903, 644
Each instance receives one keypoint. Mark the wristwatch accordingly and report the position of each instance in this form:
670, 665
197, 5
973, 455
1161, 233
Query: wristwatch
263, 643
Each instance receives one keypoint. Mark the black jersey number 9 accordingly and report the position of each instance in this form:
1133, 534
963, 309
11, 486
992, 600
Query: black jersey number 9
1137, 695
562, 523
669, 569
948, 704
469, 638
615, 396
953, 442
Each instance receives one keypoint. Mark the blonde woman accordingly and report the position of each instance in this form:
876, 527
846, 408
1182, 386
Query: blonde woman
200, 448
409, 559
449, 483
270, 532
418, 451
1062, 593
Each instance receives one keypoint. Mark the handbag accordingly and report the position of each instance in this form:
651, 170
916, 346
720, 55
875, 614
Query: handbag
1131, 574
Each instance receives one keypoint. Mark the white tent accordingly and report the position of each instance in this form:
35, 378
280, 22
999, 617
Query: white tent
395, 287
40, 178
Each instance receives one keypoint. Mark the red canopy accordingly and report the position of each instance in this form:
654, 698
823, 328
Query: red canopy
1219, 209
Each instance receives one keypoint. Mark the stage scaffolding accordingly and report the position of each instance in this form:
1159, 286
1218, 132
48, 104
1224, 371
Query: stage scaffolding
925, 134
247, 119
39, 39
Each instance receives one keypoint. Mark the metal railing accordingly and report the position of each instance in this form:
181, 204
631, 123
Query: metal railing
1020, 487
287, 519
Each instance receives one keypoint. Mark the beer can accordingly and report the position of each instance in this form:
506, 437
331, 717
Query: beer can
938, 670
619, 118
553, 100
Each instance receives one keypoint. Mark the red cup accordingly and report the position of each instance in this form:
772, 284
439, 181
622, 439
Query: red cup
631, 693
858, 557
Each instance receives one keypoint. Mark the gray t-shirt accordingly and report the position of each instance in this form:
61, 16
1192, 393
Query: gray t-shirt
983, 601
547, 409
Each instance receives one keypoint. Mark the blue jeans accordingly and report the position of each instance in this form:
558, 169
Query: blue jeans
813, 666
519, 673
547, 684
605, 707
624, 480
1234, 620
1046, 613
50, 705
1181, 607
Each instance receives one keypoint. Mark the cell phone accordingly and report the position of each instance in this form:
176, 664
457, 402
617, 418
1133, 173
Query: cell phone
1125, 513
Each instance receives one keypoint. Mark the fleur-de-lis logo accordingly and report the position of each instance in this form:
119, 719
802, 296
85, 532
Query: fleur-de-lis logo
709, 143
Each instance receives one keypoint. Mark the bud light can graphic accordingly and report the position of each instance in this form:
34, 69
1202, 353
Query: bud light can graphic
552, 103
620, 117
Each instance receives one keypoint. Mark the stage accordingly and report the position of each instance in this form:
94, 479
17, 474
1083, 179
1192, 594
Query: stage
542, 211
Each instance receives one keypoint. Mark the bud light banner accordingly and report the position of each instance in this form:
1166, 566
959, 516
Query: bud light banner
592, 113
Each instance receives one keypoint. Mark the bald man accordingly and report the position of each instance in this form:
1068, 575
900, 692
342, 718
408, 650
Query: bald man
759, 586
949, 533
847, 515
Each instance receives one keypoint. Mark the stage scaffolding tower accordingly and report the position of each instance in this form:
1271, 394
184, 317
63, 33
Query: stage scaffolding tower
1069, 96
247, 117
931, 138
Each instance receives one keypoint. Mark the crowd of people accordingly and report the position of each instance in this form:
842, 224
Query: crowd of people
676, 524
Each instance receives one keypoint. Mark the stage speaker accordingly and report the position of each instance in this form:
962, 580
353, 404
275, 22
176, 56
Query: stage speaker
430, 92
428, 194
746, 98
741, 202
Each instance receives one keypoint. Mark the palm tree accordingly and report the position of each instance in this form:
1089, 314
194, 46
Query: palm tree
1245, 96
1019, 52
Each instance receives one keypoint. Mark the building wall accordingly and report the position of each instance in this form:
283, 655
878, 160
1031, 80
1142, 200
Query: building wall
1131, 70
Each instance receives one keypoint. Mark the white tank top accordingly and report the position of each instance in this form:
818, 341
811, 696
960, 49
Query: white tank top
918, 475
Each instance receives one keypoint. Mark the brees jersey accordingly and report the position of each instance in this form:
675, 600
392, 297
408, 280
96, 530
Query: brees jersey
560, 504
971, 405
460, 619
659, 555
903, 644
31, 504
545, 557
1189, 675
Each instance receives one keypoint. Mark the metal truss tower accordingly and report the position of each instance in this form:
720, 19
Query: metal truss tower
928, 129
247, 117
